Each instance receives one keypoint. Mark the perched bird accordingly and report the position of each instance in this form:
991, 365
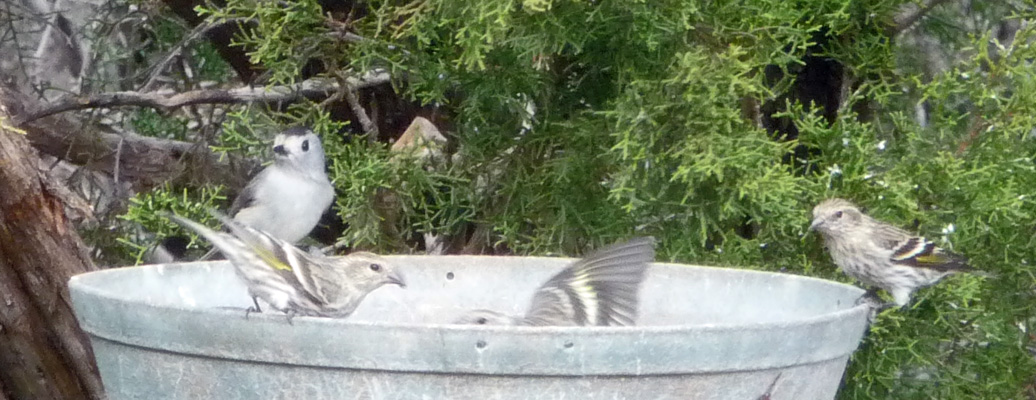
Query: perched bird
879, 254
293, 281
600, 289
287, 198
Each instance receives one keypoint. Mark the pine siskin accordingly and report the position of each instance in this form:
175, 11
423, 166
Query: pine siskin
879, 254
600, 289
293, 281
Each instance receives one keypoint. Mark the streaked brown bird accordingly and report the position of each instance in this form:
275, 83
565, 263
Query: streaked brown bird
879, 254
293, 281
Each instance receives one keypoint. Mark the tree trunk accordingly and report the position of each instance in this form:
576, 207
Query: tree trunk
43, 353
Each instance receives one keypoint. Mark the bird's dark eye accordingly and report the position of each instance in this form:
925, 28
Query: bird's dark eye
305, 145
838, 214
481, 321
375, 267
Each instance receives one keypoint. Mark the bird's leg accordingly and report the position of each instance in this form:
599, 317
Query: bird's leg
874, 303
869, 297
885, 306
253, 309
291, 314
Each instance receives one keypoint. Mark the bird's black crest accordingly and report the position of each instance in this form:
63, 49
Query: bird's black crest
297, 131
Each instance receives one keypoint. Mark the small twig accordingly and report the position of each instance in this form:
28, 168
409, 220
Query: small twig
338, 94
332, 249
361, 114
177, 50
910, 14
976, 129
347, 37
118, 158
339, 31
310, 88
24, 69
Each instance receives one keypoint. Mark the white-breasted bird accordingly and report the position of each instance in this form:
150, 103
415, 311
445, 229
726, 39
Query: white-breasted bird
287, 198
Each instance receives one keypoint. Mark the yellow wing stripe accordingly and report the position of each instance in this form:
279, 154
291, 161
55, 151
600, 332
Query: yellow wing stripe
587, 296
271, 259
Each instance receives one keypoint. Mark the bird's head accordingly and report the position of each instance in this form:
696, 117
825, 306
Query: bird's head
371, 271
835, 216
301, 148
341, 283
486, 317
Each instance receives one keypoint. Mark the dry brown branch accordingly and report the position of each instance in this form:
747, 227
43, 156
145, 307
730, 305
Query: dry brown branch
978, 124
910, 14
198, 32
365, 122
311, 88
154, 161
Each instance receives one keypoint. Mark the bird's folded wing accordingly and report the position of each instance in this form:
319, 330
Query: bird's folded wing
292, 263
248, 196
922, 253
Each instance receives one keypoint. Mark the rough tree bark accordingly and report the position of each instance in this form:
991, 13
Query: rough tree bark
43, 353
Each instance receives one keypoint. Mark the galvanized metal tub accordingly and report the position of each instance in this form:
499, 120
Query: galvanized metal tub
159, 332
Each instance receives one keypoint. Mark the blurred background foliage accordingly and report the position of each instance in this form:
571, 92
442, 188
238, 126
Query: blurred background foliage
713, 126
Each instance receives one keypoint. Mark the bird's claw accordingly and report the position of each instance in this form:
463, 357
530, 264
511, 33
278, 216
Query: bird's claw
870, 298
254, 309
874, 303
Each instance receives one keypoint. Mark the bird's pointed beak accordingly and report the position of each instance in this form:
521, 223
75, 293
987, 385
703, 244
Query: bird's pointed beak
816, 223
397, 279
279, 150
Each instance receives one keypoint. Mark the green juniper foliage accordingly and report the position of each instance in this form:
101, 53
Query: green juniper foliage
647, 120
144, 208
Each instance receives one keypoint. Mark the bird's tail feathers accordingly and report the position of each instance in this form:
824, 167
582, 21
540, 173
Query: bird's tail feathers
219, 240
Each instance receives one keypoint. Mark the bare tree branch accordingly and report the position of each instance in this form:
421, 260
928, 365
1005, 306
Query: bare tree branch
909, 14
365, 122
155, 161
221, 38
347, 37
311, 88
198, 32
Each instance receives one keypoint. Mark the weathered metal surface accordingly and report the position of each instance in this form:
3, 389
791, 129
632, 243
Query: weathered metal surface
704, 333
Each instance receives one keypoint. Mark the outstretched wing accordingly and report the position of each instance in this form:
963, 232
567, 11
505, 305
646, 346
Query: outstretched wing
601, 289
922, 253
